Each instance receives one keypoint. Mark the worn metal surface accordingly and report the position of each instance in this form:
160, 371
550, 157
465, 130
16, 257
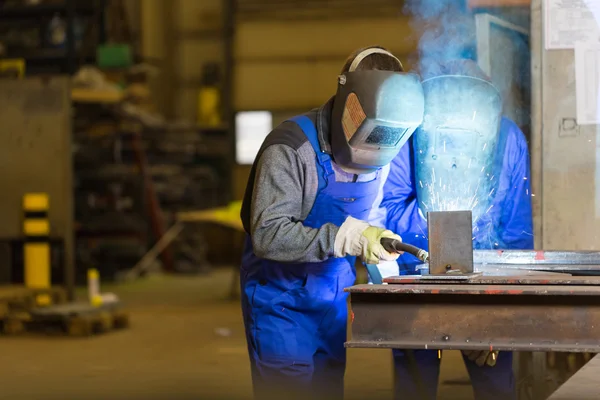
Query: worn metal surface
447, 277
473, 289
534, 280
536, 257
450, 243
483, 317
503, 262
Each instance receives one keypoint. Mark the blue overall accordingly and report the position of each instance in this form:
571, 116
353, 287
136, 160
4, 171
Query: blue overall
507, 225
295, 315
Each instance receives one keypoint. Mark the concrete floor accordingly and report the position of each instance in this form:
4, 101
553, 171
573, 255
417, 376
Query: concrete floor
186, 342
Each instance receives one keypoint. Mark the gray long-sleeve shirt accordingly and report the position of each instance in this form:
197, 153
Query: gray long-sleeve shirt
282, 189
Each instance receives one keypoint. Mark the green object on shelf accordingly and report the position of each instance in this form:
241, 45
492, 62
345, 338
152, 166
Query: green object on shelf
114, 56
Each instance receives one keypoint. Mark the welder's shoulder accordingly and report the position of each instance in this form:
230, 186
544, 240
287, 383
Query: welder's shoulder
287, 133
514, 135
287, 140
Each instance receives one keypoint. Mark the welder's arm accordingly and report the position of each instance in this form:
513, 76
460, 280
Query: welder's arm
276, 213
516, 222
283, 181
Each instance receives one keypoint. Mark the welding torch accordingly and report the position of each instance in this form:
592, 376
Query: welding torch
397, 246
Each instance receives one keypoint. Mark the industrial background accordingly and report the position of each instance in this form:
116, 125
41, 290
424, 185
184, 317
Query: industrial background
125, 145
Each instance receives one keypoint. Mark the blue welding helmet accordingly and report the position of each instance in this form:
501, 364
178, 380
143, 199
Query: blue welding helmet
374, 114
456, 144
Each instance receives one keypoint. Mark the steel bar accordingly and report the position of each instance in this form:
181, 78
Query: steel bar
536, 257
545, 280
479, 317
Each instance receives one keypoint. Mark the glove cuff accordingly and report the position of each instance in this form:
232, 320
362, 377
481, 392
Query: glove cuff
348, 239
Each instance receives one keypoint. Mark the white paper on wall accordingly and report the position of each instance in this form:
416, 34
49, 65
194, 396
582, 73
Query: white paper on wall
587, 77
571, 21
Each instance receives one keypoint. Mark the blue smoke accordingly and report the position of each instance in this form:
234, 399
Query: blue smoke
447, 32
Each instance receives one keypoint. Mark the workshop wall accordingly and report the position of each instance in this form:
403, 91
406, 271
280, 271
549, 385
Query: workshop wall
565, 157
286, 56
179, 37
292, 65
289, 65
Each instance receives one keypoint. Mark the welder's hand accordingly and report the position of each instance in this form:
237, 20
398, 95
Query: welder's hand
358, 238
482, 358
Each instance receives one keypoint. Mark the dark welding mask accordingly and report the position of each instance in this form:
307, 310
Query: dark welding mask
455, 147
374, 114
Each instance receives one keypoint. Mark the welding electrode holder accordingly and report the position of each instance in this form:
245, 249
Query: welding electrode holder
396, 246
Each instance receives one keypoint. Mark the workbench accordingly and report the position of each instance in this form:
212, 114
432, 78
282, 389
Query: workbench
531, 302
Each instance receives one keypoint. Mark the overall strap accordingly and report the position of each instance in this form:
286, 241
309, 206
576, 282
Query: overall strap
310, 130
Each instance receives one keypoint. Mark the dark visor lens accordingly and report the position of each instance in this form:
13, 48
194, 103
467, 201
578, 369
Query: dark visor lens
386, 136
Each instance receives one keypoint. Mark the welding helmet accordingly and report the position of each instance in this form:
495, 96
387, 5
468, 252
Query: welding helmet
374, 114
455, 147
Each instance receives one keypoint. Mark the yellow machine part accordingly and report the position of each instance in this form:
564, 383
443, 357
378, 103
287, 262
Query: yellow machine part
14, 67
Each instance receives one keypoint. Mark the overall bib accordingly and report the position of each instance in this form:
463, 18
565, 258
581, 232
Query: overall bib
295, 315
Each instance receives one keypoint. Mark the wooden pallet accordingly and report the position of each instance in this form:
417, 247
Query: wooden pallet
19, 299
72, 319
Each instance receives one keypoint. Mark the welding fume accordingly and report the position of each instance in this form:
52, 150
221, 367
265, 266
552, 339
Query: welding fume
465, 156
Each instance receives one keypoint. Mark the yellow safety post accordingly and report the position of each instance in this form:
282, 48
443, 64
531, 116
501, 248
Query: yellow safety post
94, 287
36, 257
208, 106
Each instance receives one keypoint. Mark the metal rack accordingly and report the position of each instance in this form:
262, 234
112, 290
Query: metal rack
41, 59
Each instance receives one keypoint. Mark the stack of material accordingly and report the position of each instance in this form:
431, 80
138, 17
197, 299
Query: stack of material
134, 172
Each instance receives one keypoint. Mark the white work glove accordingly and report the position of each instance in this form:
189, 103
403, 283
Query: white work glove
358, 238
482, 357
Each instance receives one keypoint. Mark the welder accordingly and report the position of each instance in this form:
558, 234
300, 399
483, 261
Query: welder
316, 184
465, 156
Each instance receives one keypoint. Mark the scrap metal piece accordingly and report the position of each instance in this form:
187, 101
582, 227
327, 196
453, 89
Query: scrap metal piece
450, 242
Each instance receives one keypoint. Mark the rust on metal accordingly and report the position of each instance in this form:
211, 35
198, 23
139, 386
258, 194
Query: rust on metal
470, 316
475, 289
536, 257
502, 280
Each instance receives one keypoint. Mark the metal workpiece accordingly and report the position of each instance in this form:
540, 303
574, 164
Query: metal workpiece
476, 317
527, 279
450, 242
527, 258
495, 262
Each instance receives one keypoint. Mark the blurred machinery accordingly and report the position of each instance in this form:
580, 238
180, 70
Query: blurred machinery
51, 36
133, 174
